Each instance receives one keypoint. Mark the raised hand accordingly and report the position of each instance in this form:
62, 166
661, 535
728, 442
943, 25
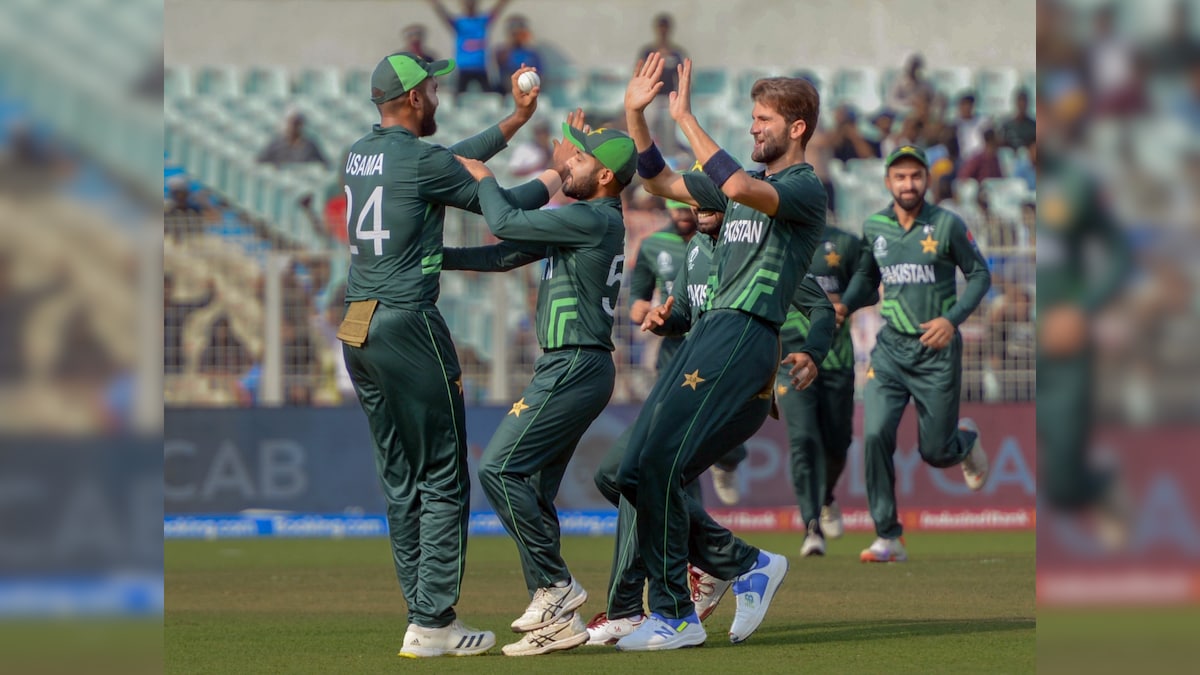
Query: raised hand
564, 150
476, 168
657, 316
645, 83
526, 101
681, 99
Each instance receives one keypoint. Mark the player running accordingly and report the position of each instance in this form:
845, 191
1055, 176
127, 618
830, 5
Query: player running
397, 348
711, 548
658, 261
820, 418
773, 222
523, 465
914, 248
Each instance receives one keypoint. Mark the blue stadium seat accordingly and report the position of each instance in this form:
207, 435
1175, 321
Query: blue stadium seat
267, 81
357, 82
320, 83
218, 81
952, 81
604, 89
177, 82
995, 87
858, 87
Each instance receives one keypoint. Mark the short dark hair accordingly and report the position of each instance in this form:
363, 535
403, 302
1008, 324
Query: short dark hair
795, 98
663, 18
968, 97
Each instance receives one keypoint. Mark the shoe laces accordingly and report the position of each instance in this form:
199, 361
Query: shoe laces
598, 620
700, 586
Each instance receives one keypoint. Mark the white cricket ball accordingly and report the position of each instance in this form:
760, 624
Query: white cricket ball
528, 80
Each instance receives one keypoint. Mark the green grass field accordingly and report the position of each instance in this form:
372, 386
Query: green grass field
964, 602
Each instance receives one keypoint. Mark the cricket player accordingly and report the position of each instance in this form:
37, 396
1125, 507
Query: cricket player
659, 259
820, 418
773, 221
710, 547
397, 348
523, 465
914, 247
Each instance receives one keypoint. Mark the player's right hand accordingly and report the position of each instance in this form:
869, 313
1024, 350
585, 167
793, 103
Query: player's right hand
841, 311
526, 101
645, 83
657, 316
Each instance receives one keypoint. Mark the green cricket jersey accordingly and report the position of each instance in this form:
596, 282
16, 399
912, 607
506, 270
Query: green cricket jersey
1070, 215
690, 291
659, 259
761, 259
397, 191
917, 269
833, 266
584, 244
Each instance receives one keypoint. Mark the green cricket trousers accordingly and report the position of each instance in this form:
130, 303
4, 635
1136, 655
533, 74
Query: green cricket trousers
523, 465
407, 379
903, 368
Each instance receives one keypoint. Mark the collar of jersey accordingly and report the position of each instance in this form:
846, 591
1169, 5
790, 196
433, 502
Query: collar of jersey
380, 129
794, 168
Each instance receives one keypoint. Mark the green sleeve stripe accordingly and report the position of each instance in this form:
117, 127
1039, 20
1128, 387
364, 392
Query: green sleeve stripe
431, 264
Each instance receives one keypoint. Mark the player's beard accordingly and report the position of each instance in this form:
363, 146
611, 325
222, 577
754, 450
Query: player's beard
428, 120
686, 225
580, 188
771, 150
909, 201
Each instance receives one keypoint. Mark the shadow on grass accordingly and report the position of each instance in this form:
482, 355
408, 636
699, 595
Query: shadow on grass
861, 631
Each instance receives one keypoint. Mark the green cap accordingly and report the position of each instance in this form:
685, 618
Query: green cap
613, 148
906, 151
672, 204
400, 72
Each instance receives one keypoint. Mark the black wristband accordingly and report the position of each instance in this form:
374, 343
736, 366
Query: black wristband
650, 162
720, 167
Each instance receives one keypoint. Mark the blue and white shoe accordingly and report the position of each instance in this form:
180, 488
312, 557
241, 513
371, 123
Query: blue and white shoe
754, 591
660, 633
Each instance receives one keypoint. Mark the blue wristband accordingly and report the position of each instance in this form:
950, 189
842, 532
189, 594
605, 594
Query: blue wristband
650, 162
720, 167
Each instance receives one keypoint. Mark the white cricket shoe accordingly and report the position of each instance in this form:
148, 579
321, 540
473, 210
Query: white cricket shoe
456, 639
884, 550
832, 525
814, 543
725, 485
549, 605
975, 466
566, 633
706, 589
754, 591
604, 631
659, 633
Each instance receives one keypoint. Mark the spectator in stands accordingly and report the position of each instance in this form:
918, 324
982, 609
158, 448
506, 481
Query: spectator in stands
292, 146
518, 51
1024, 167
225, 353
1180, 50
414, 42
985, 163
1010, 337
470, 42
1019, 130
301, 364
175, 315
846, 139
909, 86
183, 210
968, 126
661, 125
531, 157
882, 140
1113, 68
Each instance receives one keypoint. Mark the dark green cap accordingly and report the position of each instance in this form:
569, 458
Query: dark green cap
906, 151
614, 149
400, 72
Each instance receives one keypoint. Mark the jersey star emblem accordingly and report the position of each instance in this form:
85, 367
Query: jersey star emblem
781, 390
833, 259
929, 244
692, 379
517, 408
460, 387
870, 373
